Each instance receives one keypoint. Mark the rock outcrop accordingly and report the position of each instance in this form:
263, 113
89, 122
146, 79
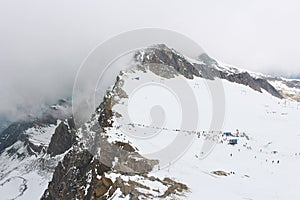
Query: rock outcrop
255, 83
204, 67
74, 176
161, 54
63, 138
81, 176
98, 168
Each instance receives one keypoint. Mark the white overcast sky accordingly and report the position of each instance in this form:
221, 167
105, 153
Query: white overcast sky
42, 43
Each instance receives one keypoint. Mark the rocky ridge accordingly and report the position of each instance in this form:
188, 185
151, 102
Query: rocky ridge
204, 67
100, 167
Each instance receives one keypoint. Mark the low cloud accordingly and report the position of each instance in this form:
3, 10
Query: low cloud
43, 43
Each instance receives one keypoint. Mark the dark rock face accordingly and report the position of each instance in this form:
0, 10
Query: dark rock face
268, 87
81, 176
242, 78
106, 112
63, 139
255, 83
33, 149
13, 133
73, 175
163, 55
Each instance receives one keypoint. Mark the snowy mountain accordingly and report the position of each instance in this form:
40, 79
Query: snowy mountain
29, 152
148, 138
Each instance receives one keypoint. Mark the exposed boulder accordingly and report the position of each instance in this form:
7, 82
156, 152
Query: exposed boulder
220, 173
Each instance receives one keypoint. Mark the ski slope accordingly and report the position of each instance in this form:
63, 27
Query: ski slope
264, 166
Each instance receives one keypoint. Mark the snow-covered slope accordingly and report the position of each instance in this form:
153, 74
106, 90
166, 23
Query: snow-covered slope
25, 177
262, 165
